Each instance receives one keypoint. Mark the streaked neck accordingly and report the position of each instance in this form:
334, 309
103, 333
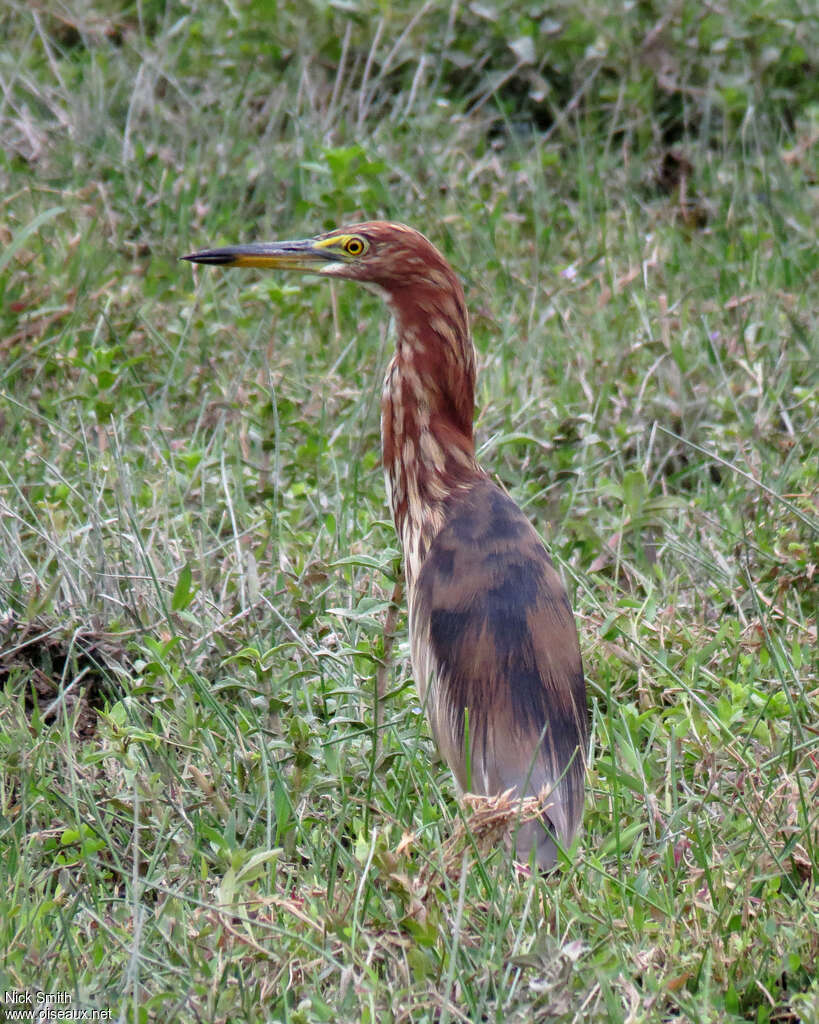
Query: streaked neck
426, 416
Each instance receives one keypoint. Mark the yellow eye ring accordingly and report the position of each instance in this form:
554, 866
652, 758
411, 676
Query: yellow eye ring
354, 246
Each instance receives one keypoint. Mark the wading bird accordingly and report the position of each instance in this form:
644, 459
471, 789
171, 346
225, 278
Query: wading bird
493, 641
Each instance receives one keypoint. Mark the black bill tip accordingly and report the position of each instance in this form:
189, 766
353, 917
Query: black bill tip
211, 257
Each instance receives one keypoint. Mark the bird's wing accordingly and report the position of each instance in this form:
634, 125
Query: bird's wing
495, 652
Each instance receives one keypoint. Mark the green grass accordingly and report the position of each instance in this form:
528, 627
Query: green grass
197, 818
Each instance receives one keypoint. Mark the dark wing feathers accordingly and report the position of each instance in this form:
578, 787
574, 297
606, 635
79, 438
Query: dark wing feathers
493, 632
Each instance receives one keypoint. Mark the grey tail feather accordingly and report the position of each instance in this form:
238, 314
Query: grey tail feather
540, 836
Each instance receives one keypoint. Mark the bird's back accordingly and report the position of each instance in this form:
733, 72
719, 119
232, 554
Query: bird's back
496, 655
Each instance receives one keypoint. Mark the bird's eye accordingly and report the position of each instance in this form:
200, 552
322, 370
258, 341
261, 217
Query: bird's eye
354, 246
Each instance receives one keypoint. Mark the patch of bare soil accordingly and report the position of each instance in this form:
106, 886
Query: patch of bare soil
65, 670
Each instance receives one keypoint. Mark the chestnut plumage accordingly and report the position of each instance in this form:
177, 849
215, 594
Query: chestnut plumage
494, 647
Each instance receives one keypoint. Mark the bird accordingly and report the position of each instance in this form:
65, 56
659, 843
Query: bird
493, 642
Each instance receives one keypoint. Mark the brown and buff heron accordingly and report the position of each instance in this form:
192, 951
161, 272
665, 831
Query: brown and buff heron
494, 647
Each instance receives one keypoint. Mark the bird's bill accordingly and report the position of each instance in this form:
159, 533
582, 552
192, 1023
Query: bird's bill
309, 255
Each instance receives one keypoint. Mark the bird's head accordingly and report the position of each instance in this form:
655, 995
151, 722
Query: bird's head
388, 257
423, 292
